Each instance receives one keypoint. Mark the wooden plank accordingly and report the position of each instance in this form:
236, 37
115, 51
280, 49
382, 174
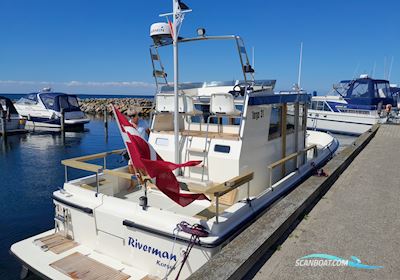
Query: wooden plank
96, 156
282, 160
125, 175
82, 165
56, 243
79, 266
221, 189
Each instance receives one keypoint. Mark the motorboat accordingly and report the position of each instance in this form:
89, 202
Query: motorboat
120, 225
354, 107
46, 110
10, 120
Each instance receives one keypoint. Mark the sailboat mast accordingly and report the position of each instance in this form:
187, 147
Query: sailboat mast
175, 4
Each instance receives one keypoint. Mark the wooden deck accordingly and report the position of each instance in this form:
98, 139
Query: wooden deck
56, 243
78, 266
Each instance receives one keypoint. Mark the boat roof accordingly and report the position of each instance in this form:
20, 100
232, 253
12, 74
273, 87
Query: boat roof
52, 94
364, 79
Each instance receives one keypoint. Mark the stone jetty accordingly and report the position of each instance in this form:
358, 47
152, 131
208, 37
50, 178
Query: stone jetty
96, 106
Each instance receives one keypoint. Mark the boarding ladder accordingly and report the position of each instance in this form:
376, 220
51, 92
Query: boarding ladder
248, 71
199, 152
159, 74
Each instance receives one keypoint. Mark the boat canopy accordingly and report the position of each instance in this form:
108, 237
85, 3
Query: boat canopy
366, 91
57, 101
52, 101
6, 104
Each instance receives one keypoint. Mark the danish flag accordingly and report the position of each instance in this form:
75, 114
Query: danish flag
145, 158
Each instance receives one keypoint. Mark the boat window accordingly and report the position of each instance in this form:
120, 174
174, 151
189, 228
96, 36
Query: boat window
222, 149
64, 102
314, 105
326, 107
28, 99
382, 90
275, 122
320, 105
360, 89
48, 101
290, 121
73, 101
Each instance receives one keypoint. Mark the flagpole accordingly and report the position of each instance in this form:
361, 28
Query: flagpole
176, 98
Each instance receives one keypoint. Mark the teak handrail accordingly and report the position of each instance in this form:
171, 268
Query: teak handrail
79, 163
290, 157
221, 189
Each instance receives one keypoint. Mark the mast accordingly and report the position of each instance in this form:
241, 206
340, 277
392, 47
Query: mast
175, 4
301, 60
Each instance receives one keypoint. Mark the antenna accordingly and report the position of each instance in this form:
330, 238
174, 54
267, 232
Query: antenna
390, 69
356, 70
300, 65
384, 68
253, 60
373, 70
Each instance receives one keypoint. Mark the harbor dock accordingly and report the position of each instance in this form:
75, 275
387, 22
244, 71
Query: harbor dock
353, 212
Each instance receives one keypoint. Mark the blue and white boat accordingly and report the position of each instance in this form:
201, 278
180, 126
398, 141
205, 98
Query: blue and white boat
354, 107
43, 110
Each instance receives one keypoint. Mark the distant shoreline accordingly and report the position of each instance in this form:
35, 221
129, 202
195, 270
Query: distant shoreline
16, 96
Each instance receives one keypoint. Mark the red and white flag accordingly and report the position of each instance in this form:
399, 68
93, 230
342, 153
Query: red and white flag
144, 157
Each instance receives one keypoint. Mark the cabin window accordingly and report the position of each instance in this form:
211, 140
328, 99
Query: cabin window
64, 102
314, 105
48, 102
382, 90
222, 149
290, 123
275, 122
73, 101
320, 106
360, 89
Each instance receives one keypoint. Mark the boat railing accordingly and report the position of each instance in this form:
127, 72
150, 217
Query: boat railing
80, 163
301, 154
222, 189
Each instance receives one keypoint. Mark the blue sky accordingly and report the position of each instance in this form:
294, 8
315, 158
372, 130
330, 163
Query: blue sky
101, 47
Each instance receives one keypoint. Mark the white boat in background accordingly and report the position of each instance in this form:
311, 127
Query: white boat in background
43, 110
10, 120
252, 153
354, 108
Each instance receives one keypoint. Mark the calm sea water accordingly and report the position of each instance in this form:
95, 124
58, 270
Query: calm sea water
30, 170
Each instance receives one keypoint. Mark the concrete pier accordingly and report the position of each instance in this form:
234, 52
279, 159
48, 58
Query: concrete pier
359, 216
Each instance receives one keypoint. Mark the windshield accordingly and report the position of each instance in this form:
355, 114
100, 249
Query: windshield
69, 102
28, 99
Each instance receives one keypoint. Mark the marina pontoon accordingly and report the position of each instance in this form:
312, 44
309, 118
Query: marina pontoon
122, 225
46, 109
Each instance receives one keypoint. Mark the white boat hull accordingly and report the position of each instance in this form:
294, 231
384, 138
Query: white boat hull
121, 235
343, 123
